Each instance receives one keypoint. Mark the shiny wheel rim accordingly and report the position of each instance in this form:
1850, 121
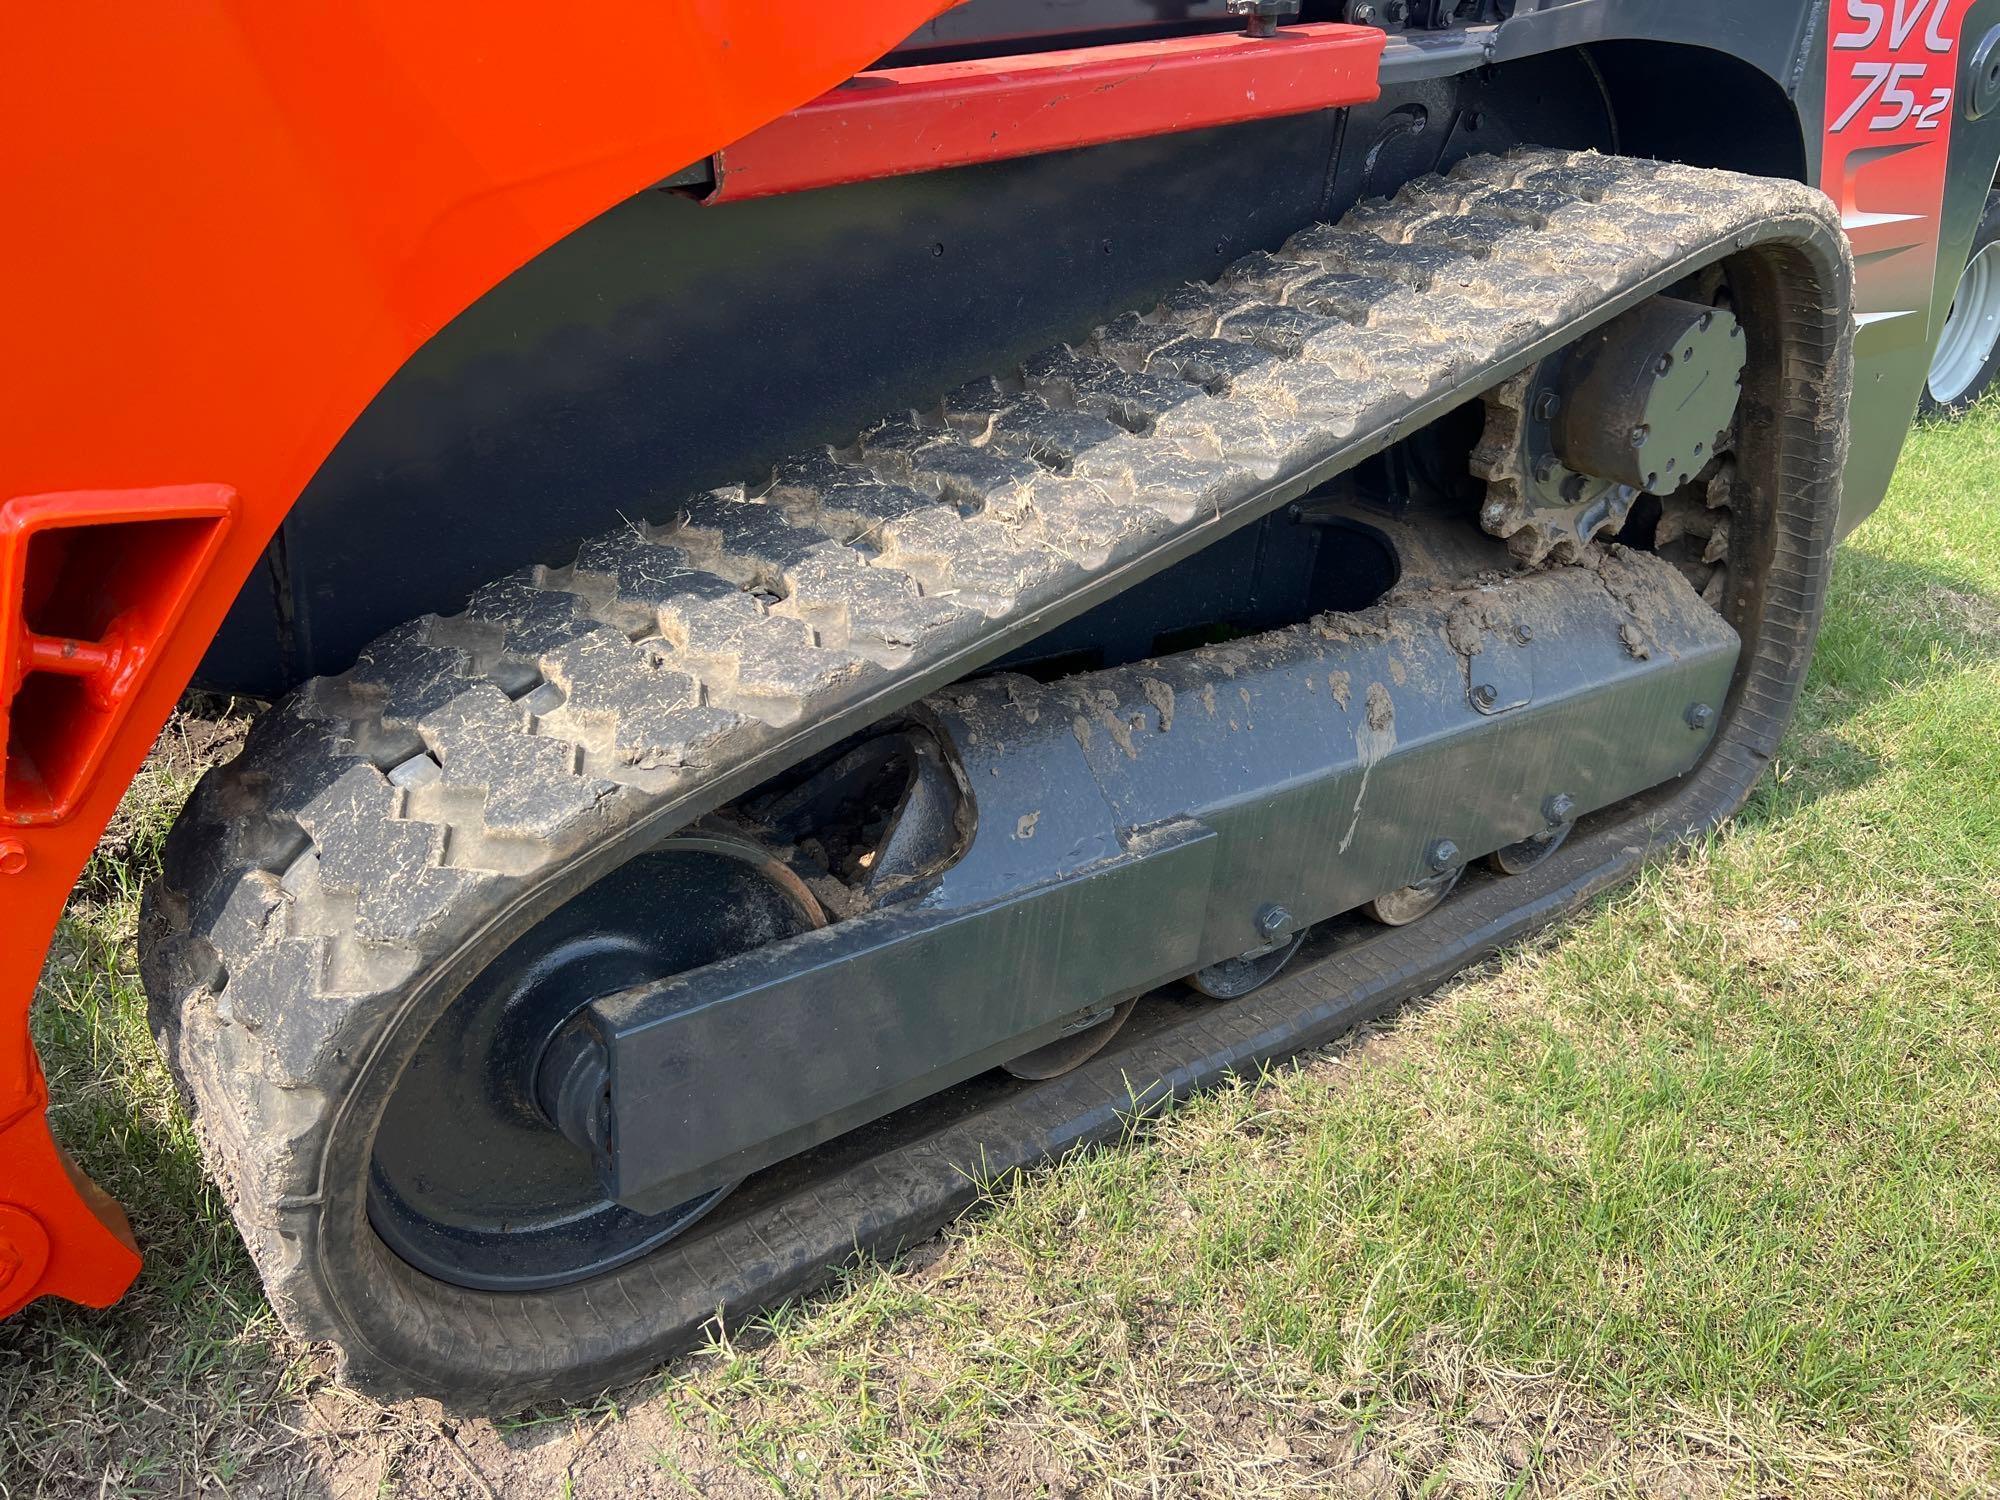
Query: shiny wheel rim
1970, 328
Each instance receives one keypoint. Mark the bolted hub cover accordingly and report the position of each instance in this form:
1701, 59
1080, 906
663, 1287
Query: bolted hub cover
1647, 398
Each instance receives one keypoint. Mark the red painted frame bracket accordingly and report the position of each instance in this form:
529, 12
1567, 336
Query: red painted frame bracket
920, 119
92, 583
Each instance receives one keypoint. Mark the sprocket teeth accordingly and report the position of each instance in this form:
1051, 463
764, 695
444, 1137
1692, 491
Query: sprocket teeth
1718, 543
1716, 592
1536, 531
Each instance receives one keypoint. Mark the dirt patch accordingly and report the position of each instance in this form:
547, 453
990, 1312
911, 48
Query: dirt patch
1381, 707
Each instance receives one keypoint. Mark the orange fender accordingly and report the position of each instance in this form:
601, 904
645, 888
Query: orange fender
229, 223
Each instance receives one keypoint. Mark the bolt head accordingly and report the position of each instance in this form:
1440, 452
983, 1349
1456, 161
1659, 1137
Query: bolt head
1547, 404
1524, 634
1485, 695
1546, 468
13, 856
1699, 716
1443, 855
1273, 921
1557, 809
1663, 365
1639, 434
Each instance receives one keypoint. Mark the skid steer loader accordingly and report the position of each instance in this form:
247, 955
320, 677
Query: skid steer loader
850, 593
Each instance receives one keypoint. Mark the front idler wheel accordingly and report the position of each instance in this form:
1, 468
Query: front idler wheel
482, 1172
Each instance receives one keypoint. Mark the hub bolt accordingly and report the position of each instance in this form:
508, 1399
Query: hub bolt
1273, 922
1546, 469
1547, 405
1556, 809
1443, 855
1699, 716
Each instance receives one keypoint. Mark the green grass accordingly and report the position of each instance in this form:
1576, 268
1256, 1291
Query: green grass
1698, 1194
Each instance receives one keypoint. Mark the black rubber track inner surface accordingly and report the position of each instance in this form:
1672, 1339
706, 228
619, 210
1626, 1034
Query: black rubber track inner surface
386, 833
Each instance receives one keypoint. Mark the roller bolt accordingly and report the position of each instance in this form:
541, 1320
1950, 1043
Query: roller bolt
13, 856
1558, 809
1261, 17
1443, 855
1273, 922
1699, 716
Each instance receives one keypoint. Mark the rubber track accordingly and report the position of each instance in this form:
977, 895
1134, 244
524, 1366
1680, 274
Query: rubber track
370, 817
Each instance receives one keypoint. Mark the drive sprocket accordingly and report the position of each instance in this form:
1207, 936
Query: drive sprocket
1544, 510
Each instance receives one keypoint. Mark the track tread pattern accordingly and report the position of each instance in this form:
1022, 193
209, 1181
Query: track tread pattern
311, 879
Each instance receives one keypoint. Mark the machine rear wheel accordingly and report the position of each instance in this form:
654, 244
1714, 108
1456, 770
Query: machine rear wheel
1967, 360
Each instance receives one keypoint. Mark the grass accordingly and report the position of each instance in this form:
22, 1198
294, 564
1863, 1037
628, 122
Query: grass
1698, 1195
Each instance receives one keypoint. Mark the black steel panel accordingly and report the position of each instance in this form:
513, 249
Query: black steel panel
1131, 824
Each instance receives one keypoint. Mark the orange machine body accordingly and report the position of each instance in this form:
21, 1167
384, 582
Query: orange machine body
229, 224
